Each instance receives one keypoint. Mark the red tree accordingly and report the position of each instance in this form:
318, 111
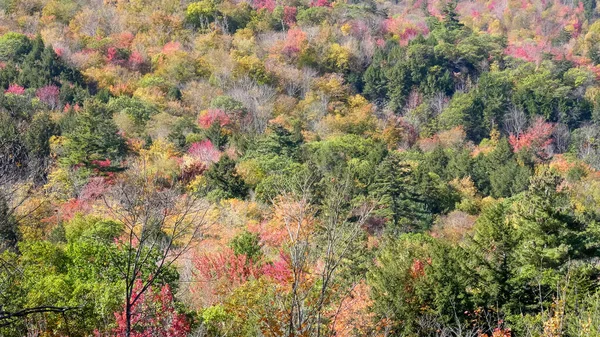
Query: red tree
154, 315
49, 95
536, 138
15, 89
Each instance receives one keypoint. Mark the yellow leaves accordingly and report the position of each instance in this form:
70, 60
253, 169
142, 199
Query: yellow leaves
56, 145
61, 184
115, 78
251, 65
338, 57
159, 160
251, 172
357, 119
495, 27
592, 92
179, 66
332, 85
346, 29
151, 94
554, 324
244, 42
104, 77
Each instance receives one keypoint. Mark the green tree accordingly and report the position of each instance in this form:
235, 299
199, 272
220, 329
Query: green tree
93, 136
13, 46
223, 182
248, 244
420, 279
394, 189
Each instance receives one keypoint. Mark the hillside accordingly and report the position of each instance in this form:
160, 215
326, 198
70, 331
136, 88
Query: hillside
299, 168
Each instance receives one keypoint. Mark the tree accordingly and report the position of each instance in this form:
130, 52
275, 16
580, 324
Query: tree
160, 226
8, 227
153, 314
394, 188
37, 141
223, 182
13, 46
92, 136
420, 286
330, 244
247, 244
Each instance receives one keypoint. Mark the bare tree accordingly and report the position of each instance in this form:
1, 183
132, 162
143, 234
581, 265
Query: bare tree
562, 137
258, 100
515, 121
322, 237
161, 224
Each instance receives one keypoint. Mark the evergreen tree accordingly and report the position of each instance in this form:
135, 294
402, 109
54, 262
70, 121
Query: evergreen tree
394, 188
93, 136
223, 181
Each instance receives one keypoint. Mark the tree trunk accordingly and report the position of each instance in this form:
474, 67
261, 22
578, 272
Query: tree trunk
128, 319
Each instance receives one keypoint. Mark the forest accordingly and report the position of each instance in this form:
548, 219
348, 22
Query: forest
300, 168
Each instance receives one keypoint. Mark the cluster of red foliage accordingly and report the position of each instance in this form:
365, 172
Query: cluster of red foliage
498, 332
49, 95
211, 116
279, 270
265, 4
136, 60
204, 151
405, 30
320, 3
93, 190
68, 107
289, 15
15, 89
530, 52
537, 138
153, 314
225, 266
293, 42
417, 269
171, 47
192, 170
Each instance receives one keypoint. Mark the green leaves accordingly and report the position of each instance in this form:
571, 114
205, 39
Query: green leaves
93, 136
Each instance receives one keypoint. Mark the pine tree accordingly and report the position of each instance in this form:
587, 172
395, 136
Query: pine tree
394, 189
223, 181
93, 136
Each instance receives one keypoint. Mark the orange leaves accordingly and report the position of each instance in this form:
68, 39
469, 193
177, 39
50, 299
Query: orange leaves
295, 41
353, 317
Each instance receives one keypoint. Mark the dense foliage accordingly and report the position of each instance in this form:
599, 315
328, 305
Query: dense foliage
299, 168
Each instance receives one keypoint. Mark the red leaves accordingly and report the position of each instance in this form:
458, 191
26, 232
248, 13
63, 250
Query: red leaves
224, 268
294, 42
111, 54
499, 332
93, 189
265, 4
136, 60
279, 270
153, 314
171, 47
49, 95
204, 151
404, 30
320, 3
537, 138
211, 116
417, 269
289, 15
15, 89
